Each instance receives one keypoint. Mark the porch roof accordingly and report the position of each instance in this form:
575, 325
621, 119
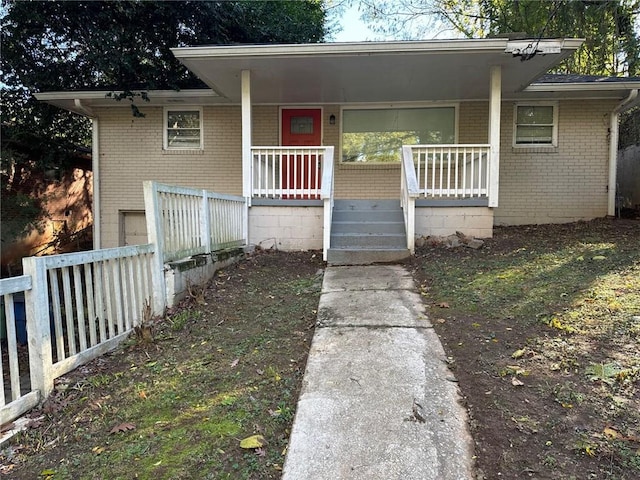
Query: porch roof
376, 72
434, 70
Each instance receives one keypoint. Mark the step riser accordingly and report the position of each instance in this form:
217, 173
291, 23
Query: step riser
365, 257
367, 216
368, 227
368, 205
368, 241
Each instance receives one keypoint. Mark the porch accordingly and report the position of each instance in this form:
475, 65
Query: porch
442, 189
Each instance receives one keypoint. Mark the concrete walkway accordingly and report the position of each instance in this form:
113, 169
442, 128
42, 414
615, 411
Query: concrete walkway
378, 401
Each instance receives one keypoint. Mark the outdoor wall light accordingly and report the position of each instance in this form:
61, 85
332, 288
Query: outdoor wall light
332, 119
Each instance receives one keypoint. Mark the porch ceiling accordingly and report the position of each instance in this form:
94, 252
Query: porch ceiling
372, 71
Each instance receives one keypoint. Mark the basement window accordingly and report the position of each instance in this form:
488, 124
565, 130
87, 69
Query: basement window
535, 125
183, 129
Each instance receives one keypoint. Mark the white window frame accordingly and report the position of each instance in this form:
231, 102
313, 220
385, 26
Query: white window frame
387, 106
165, 127
554, 130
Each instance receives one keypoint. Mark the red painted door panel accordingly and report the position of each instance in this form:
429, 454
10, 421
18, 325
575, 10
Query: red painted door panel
301, 127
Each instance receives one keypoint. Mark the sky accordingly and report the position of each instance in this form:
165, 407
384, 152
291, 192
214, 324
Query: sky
354, 29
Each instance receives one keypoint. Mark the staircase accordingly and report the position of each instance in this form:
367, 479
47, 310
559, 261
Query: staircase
367, 231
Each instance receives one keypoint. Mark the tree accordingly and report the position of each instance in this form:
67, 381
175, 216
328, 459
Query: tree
122, 46
610, 27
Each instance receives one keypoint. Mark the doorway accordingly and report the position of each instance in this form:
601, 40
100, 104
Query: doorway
301, 127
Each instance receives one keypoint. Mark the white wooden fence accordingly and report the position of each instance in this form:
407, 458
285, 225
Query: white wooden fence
15, 397
185, 221
289, 172
452, 171
77, 306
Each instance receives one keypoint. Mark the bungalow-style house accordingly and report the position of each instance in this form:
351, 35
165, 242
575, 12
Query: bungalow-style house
404, 139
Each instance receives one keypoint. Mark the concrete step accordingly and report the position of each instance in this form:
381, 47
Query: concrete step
367, 231
372, 240
359, 256
368, 227
367, 216
366, 204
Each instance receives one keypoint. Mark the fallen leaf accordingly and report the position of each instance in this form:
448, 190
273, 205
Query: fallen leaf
518, 353
443, 305
98, 450
610, 432
515, 382
123, 427
47, 472
254, 441
599, 257
441, 320
142, 394
234, 363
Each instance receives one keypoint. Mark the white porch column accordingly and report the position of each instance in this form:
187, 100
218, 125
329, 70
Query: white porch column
495, 98
246, 134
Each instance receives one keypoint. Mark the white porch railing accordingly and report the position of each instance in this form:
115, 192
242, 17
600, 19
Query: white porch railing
187, 221
452, 171
326, 193
408, 194
77, 306
289, 172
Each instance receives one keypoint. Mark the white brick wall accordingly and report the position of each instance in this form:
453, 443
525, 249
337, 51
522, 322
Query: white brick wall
286, 228
442, 221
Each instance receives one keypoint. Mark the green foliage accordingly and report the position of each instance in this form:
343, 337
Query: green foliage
123, 47
630, 128
609, 27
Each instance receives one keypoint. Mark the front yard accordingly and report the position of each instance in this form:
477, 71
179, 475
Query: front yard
542, 329
541, 326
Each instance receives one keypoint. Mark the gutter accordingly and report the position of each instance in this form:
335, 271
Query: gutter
83, 109
613, 148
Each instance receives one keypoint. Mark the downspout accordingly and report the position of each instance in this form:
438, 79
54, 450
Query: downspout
95, 161
95, 167
613, 149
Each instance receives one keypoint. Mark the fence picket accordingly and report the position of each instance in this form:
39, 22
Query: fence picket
91, 307
77, 283
57, 314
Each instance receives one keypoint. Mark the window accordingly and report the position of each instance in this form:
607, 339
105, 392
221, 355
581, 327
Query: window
377, 135
302, 125
183, 129
535, 125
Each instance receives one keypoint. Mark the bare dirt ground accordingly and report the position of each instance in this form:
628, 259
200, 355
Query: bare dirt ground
542, 329
541, 326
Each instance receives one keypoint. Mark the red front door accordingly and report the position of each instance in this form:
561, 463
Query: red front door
301, 127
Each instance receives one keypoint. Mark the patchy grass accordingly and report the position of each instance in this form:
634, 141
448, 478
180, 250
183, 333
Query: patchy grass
542, 326
224, 366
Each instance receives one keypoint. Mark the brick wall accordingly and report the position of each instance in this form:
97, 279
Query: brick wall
286, 228
131, 152
557, 185
563, 184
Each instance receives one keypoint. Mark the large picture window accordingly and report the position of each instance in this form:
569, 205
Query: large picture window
377, 135
535, 125
183, 129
